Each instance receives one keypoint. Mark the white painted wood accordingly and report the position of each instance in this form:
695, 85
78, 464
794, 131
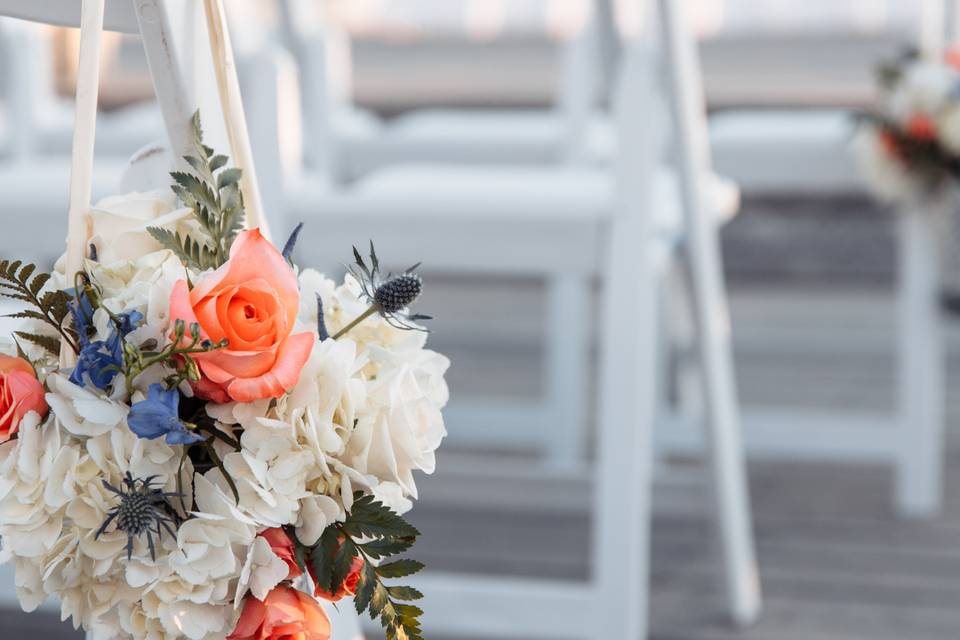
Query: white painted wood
176, 101
920, 461
231, 102
567, 363
712, 319
579, 87
119, 15
932, 23
803, 434
84, 133
627, 383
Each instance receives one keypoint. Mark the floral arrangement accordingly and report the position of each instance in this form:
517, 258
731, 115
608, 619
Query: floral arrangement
237, 439
908, 147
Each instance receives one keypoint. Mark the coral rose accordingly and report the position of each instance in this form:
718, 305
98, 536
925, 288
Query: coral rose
282, 547
285, 614
20, 393
252, 302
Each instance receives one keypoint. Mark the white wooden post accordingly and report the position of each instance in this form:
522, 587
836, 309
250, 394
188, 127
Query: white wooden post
175, 100
84, 132
919, 489
628, 334
228, 86
712, 318
567, 362
932, 16
578, 87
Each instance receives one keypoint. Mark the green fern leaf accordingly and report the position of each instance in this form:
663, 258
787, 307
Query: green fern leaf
49, 343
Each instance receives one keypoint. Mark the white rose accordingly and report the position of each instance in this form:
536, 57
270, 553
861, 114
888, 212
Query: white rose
119, 223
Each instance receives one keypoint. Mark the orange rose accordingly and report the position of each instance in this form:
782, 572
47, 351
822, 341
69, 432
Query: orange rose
252, 301
20, 393
282, 547
285, 614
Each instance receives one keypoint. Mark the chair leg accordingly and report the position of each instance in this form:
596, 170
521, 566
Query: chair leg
724, 441
626, 413
567, 363
919, 479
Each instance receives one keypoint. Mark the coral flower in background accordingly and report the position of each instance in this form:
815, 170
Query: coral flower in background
922, 128
251, 301
284, 614
20, 393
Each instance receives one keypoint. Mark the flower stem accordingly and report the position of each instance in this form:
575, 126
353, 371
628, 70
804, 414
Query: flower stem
372, 309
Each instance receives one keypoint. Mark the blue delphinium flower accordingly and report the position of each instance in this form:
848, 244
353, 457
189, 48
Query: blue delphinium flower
158, 416
100, 360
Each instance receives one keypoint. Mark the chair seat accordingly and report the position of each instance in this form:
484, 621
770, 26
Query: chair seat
500, 219
749, 146
119, 133
35, 201
467, 136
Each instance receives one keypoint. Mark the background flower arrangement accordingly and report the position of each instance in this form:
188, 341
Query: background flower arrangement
908, 146
236, 430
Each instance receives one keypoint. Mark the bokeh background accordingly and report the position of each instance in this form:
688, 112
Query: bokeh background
810, 264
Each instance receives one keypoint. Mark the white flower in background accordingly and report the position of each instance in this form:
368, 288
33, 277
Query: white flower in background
924, 89
885, 175
119, 223
948, 127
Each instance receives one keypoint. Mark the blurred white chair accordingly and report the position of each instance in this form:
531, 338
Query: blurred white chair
39, 121
567, 225
348, 142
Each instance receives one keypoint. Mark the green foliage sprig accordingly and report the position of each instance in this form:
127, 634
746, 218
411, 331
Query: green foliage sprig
384, 534
22, 282
177, 355
212, 191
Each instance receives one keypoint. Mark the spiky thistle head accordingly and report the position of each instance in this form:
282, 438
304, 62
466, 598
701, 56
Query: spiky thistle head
399, 292
392, 295
143, 509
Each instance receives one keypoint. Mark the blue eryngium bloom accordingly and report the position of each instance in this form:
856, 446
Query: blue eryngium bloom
100, 360
158, 416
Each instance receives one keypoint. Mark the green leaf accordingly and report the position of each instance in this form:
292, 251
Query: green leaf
323, 554
404, 593
49, 343
342, 563
371, 519
385, 547
379, 600
228, 177
365, 587
20, 281
399, 568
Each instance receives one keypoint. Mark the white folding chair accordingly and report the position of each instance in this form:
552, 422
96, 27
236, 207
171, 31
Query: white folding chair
348, 142
40, 121
568, 225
